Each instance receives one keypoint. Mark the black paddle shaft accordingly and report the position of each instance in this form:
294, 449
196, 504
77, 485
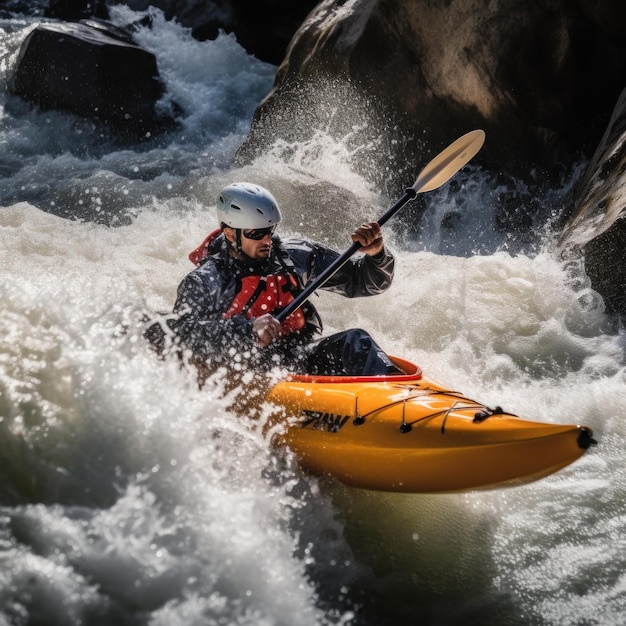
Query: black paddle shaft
336, 265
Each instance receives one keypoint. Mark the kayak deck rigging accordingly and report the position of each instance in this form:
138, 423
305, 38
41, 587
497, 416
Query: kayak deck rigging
406, 427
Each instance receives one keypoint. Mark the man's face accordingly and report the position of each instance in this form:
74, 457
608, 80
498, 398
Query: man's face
257, 249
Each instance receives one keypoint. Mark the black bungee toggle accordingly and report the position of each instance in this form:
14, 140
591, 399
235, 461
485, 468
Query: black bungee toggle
481, 416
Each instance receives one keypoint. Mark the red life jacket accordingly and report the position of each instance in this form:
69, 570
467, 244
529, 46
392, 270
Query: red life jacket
267, 294
258, 294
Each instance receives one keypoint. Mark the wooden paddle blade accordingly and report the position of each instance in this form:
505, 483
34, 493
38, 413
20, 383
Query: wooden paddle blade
450, 161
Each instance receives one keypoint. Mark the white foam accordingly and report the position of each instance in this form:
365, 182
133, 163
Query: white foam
129, 490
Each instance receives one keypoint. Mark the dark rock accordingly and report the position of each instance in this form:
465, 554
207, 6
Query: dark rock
92, 71
597, 229
11, 8
605, 264
74, 10
264, 29
540, 78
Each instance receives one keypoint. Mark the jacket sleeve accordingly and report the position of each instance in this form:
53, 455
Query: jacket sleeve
362, 275
199, 306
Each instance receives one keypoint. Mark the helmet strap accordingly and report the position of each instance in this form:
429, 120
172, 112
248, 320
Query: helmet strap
235, 246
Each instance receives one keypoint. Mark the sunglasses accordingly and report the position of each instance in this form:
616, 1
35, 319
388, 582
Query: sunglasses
258, 233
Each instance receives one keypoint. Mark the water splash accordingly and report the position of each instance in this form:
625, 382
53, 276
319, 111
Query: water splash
130, 495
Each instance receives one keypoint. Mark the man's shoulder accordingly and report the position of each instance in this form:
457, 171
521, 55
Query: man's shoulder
296, 243
210, 269
298, 246
297, 249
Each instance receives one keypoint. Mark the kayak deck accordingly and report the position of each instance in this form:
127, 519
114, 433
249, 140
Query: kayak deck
407, 433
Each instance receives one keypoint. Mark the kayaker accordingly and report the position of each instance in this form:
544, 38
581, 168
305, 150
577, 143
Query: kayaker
246, 273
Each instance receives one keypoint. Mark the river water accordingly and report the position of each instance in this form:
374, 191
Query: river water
129, 496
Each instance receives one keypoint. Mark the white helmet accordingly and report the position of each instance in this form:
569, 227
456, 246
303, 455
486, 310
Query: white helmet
246, 205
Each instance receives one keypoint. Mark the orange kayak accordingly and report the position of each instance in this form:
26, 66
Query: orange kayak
408, 433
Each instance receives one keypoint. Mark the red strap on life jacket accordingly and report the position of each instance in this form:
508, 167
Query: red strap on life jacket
266, 294
202, 251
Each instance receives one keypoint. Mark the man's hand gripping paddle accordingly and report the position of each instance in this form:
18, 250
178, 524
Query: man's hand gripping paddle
445, 165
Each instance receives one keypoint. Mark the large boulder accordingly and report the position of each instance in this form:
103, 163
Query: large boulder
597, 228
540, 78
93, 70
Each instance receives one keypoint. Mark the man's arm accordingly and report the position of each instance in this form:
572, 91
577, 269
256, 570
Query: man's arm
366, 274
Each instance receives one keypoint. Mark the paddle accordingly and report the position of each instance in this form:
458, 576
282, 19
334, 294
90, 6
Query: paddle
435, 174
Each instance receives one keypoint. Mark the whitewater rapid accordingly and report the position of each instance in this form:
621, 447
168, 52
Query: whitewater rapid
128, 495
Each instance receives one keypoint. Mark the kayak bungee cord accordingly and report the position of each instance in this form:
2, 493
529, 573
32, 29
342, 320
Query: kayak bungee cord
481, 415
